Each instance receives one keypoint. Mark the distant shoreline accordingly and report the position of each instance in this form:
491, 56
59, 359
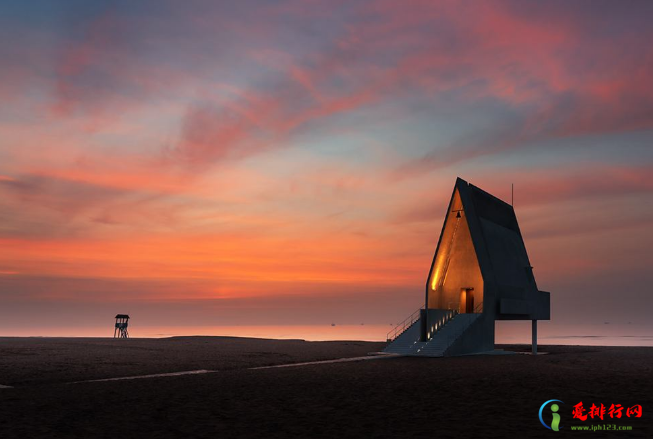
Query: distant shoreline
541, 344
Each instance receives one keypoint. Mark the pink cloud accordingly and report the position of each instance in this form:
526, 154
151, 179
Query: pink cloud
382, 52
547, 186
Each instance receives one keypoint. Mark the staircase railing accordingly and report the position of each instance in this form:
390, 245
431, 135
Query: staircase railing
401, 327
479, 308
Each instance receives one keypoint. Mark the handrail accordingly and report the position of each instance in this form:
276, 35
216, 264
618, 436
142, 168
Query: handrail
401, 327
408, 322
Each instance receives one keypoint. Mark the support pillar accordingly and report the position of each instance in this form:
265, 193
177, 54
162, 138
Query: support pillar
534, 325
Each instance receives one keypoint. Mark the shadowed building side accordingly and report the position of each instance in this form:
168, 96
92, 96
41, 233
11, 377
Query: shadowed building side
480, 273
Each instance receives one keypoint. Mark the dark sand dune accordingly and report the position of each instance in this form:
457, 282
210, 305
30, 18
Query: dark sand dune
478, 396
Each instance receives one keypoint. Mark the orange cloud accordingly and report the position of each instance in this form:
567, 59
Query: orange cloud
225, 156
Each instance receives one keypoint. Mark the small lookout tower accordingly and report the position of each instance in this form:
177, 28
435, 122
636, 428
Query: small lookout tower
122, 321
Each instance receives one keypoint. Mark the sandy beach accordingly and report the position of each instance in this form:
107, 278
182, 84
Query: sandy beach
473, 396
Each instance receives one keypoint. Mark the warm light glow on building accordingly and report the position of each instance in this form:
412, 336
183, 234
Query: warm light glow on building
456, 270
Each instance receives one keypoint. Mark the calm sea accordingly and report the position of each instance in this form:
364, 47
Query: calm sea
506, 333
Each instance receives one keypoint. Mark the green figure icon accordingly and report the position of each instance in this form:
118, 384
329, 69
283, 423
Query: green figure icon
556, 417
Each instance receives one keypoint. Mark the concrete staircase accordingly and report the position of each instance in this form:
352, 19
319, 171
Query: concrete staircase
441, 339
404, 343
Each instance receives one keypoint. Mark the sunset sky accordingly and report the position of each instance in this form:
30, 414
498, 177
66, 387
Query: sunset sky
289, 163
